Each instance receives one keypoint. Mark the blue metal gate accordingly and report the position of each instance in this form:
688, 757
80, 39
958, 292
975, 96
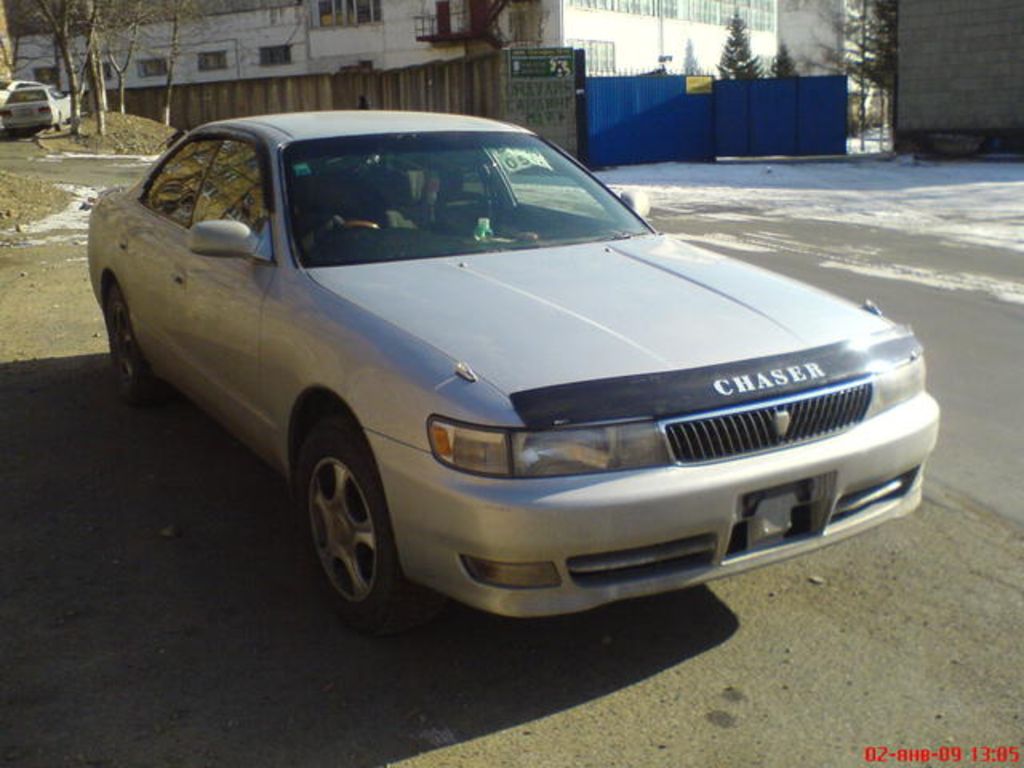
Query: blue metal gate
794, 116
648, 119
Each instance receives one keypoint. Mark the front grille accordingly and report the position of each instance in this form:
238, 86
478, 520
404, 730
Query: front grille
760, 428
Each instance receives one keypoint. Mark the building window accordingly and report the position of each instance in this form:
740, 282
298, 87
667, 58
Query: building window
273, 55
600, 55
759, 14
212, 60
46, 75
152, 67
347, 13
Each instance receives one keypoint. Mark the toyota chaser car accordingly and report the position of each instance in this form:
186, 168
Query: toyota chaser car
486, 377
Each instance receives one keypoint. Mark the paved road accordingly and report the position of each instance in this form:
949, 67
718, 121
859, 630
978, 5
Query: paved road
974, 342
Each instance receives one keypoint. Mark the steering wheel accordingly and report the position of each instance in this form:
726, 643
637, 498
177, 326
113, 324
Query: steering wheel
336, 222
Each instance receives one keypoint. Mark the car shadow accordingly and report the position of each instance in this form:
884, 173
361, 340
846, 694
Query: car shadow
160, 608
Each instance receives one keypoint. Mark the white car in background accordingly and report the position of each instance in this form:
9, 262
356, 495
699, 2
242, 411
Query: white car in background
29, 110
7, 87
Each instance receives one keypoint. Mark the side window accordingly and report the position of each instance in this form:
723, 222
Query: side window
174, 191
233, 188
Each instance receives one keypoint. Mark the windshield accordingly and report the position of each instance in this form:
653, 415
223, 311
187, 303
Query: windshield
25, 96
364, 199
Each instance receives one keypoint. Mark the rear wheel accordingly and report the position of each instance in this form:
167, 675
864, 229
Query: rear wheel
341, 498
136, 383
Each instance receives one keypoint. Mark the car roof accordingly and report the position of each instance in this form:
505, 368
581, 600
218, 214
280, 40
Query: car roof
320, 125
14, 84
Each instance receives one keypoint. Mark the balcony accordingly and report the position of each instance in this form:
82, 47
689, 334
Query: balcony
461, 22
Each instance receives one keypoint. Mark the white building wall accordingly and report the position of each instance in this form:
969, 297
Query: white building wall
641, 40
388, 44
239, 35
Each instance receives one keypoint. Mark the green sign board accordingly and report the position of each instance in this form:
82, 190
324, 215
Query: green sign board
541, 62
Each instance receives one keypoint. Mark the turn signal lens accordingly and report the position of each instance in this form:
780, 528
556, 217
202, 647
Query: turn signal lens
469, 448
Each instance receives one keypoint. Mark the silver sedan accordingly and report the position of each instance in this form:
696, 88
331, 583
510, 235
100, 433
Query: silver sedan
486, 377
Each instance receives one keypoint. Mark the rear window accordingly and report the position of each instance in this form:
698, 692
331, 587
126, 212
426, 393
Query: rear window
27, 95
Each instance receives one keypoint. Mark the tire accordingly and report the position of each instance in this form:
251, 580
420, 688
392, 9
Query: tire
136, 384
340, 500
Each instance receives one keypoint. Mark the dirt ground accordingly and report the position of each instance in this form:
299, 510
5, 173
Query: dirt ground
25, 198
159, 610
126, 135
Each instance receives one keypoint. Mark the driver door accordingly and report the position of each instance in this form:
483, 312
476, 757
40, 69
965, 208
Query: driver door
220, 328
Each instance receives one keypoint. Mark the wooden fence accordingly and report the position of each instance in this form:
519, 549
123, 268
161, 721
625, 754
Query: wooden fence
472, 86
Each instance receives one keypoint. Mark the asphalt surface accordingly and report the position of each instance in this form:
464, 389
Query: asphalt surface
159, 608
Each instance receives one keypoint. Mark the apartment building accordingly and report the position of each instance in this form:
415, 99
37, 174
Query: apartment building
239, 39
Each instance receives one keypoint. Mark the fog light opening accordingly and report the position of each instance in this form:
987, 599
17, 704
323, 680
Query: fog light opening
512, 575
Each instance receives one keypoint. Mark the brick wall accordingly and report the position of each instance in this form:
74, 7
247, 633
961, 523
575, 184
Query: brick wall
961, 67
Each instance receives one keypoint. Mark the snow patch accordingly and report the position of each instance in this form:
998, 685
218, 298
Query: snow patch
1002, 290
969, 202
726, 241
132, 159
74, 217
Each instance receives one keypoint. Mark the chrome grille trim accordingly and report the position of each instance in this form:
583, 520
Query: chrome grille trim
751, 428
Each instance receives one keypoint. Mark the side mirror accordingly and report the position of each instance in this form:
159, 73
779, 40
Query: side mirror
222, 238
637, 200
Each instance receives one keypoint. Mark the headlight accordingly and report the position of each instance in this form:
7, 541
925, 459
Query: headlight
549, 452
897, 385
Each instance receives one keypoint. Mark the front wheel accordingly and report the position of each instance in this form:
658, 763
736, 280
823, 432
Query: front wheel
340, 495
136, 383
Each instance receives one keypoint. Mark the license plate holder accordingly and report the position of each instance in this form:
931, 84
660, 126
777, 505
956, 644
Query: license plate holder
770, 515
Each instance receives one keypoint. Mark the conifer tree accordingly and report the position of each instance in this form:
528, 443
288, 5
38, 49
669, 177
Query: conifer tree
782, 64
737, 62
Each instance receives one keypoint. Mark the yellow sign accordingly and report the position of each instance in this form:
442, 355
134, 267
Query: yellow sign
699, 84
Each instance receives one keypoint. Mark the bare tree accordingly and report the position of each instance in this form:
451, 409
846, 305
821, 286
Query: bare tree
8, 52
123, 40
95, 15
177, 13
869, 53
62, 20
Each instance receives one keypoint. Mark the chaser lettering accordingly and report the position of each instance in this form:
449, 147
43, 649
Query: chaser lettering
761, 380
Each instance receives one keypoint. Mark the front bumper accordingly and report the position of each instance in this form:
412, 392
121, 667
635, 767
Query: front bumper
584, 523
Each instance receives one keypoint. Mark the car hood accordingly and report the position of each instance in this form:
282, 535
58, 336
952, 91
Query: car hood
547, 316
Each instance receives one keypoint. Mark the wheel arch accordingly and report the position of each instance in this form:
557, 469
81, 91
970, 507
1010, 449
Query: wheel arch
107, 281
312, 406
